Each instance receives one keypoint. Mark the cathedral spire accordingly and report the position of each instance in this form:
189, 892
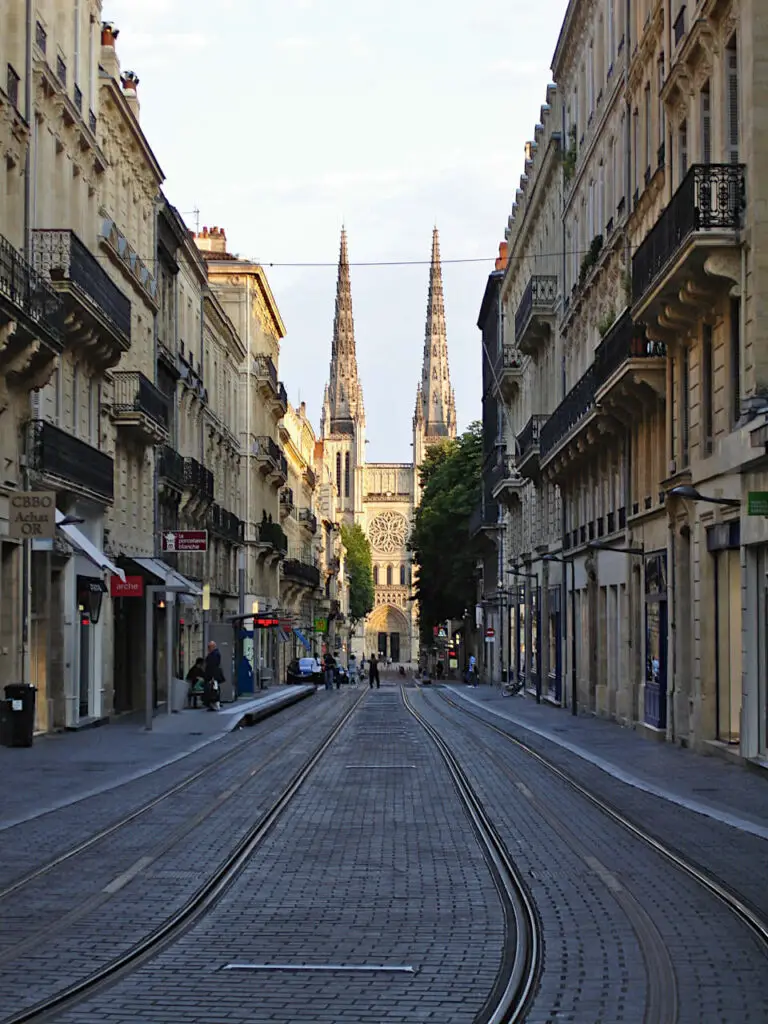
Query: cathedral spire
344, 404
438, 405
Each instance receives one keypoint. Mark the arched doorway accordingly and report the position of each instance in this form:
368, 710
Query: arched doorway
387, 633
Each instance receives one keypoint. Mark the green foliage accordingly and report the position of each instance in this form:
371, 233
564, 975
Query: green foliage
590, 259
444, 555
605, 323
569, 156
359, 569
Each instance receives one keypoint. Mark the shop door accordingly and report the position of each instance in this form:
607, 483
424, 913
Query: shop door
394, 646
382, 645
656, 664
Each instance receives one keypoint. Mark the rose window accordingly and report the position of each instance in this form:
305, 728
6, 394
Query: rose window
387, 532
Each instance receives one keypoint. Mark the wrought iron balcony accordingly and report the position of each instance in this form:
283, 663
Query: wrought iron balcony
286, 501
98, 315
484, 519
528, 441
627, 362
309, 519
225, 524
271, 388
27, 301
139, 407
301, 572
309, 476
705, 212
67, 464
272, 534
535, 314
171, 467
504, 481
577, 404
272, 460
265, 370
510, 370
198, 480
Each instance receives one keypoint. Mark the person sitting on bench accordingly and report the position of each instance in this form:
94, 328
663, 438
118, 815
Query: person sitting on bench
196, 680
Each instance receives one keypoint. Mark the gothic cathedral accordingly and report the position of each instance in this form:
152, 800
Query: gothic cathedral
381, 497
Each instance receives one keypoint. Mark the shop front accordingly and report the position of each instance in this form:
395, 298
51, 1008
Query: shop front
656, 641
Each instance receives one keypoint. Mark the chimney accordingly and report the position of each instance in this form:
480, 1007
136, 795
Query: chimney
213, 240
130, 82
501, 262
108, 59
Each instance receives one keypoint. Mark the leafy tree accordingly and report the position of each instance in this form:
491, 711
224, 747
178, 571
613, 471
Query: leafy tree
445, 557
359, 569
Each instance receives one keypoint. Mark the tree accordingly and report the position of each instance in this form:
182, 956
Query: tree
359, 570
445, 557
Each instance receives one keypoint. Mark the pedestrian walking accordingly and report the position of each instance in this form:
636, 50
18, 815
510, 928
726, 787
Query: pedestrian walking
214, 677
472, 674
373, 672
330, 665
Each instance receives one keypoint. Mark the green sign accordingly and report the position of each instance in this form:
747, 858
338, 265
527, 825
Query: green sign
321, 625
757, 503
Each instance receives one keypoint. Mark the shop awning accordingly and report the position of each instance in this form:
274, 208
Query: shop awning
303, 640
165, 574
88, 548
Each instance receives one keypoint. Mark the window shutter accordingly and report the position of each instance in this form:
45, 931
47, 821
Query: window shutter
706, 126
733, 105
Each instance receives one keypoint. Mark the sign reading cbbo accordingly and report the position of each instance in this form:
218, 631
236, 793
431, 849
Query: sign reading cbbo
32, 515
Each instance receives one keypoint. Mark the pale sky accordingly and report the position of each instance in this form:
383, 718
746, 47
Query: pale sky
281, 119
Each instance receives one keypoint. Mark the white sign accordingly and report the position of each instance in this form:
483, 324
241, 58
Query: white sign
32, 515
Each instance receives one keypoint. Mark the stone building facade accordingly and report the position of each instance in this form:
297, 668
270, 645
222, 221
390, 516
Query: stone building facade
381, 497
643, 352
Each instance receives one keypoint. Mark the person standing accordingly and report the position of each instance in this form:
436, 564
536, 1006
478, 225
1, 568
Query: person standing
213, 677
330, 665
373, 672
472, 670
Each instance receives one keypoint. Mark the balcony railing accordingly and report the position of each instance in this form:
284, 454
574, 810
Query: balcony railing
61, 256
57, 454
303, 572
30, 293
171, 466
483, 515
41, 37
198, 479
711, 197
274, 535
502, 469
578, 403
308, 517
539, 296
529, 437
282, 394
286, 497
512, 358
225, 524
265, 369
625, 340
136, 393
309, 476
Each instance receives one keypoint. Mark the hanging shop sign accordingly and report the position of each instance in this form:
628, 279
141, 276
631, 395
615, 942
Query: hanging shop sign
132, 587
32, 515
757, 503
184, 540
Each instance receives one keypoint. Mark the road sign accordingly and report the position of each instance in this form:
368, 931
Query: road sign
133, 586
32, 515
184, 540
757, 503
321, 625
442, 634
490, 633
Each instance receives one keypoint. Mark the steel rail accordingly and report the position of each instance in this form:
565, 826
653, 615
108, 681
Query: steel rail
732, 901
142, 809
198, 905
513, 993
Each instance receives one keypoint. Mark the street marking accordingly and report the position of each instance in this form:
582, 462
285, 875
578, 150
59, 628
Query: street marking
524, 790
604, 874
397, 969
379, 767
122, 880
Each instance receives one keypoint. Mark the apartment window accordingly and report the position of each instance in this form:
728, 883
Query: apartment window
61, 70
732, 99
346, 475
706, 389
12, 87
735, 360
338, 474
591, 211
636, 146
684, 405
611, 32
76, 400
76, 15
93, 411
706, 124
662, 117
647, 116
602, 219
673, 411
682, 145
591, 78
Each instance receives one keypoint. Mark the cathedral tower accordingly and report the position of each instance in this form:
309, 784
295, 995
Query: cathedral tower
342, 424
435, 416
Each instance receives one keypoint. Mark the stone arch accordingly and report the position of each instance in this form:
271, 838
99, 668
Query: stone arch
386, 619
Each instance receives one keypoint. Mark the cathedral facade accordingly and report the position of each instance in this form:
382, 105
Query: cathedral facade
382, 497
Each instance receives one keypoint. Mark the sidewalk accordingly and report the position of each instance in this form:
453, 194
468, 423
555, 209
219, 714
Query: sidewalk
727, 792
62, 768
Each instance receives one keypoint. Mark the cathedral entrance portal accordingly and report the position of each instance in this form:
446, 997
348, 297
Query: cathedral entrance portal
387, 634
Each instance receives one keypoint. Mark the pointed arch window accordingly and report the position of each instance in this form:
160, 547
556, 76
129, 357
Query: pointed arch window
389, 575
375, 575
402, 575
346, 475
338, 473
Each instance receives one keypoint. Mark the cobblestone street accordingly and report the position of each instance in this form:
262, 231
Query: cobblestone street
370, 897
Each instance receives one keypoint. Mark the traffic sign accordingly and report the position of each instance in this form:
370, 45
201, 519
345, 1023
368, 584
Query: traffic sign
490, 633
184, 540
32, 515
442, 635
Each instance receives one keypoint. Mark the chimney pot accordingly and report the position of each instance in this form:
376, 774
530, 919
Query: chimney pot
109, 33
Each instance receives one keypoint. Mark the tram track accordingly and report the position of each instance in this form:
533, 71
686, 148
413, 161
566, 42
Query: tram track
292, 711
194, 908
511, 996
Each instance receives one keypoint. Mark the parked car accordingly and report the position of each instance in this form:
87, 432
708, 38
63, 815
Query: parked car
304, 670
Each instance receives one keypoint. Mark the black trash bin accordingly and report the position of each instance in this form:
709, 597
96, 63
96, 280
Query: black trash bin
19, 712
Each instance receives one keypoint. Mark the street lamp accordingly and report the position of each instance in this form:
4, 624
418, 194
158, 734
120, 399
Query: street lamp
529, 576
604, 545
567, 561
691, 494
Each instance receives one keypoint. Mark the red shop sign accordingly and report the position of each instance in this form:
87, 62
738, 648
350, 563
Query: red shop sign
133, 586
